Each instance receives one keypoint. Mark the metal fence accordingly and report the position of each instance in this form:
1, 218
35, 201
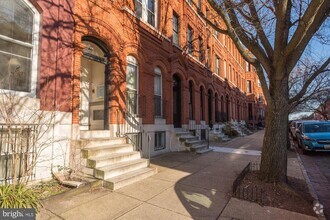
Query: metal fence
249, 193
200, 130
134, 138
17, 148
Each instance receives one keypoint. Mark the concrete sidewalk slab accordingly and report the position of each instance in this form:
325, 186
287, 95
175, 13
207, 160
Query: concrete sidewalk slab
239, 209
236, 151
152, 212
110, 206
146, 189
294, 169
68, 200
191, 201
172, 175
210, 182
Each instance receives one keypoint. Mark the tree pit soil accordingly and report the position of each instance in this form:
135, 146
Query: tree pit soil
293, 196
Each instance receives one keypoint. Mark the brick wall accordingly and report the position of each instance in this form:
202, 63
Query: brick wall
115, 24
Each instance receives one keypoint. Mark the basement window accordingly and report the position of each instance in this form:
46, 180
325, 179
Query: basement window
160, 140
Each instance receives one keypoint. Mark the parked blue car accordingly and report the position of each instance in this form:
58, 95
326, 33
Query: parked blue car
314, 136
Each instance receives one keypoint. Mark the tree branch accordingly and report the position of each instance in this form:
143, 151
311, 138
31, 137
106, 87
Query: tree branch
316, 13
309, 81
238, 35
262, 35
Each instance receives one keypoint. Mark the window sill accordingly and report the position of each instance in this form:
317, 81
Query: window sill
153, 28
18, 93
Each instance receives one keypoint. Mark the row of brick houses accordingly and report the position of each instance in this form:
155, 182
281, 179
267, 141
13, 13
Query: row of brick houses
121, 66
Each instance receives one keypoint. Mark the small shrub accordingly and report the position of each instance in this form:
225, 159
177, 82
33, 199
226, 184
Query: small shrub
18, 196
233, 133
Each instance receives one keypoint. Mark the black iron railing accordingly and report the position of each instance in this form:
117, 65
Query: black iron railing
249, 193
134, 138
131, 130
17, 149
200, 130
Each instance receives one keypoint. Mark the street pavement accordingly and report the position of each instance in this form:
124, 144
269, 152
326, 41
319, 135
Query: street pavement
187, 186
317, 165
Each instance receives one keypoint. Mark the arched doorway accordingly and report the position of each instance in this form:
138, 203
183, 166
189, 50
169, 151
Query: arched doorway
176, 101
94, 86
222, 109
209, 107
238, 111
191, 101
216, 108
201, 96
227, 108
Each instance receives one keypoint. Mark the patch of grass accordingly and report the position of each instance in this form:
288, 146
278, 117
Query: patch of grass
18, 196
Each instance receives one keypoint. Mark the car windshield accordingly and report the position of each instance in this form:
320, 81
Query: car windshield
315, 128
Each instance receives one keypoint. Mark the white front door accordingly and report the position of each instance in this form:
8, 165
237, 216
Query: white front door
92, 95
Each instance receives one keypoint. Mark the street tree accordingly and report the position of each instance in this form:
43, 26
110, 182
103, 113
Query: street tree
273, 35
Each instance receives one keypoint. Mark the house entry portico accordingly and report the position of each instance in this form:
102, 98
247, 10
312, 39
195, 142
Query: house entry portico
94, 86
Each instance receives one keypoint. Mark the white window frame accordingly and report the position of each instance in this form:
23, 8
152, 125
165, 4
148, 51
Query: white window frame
34, 55
177, 41
190, 40
133, 61
225, 68
144, 15
217, 65
249, 86
162, 135
158, 73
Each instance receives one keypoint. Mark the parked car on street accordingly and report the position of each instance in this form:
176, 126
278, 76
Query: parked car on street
294, 127
314, 136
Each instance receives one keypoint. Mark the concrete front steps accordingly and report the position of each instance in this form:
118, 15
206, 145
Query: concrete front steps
114, 161
223, 137
193, 143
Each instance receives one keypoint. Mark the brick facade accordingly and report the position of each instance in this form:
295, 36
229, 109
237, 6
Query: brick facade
115, 25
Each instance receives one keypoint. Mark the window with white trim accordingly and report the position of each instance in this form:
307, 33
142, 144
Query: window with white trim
190, 40
158, 92
249, 86
160, 140
19, 27
132, 71
175, 23
216, 33
200, 51
217, 65
247, 66
207, 63
225, 68
147, 11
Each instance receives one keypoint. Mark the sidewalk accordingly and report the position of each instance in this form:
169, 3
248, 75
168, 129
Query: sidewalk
187, 186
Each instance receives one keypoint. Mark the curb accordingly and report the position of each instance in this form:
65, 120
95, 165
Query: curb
308, 181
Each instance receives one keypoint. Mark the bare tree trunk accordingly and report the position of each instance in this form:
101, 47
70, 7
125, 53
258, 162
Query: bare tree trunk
274, 151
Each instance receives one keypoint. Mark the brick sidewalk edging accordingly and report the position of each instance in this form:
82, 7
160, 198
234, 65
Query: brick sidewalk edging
308, 181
